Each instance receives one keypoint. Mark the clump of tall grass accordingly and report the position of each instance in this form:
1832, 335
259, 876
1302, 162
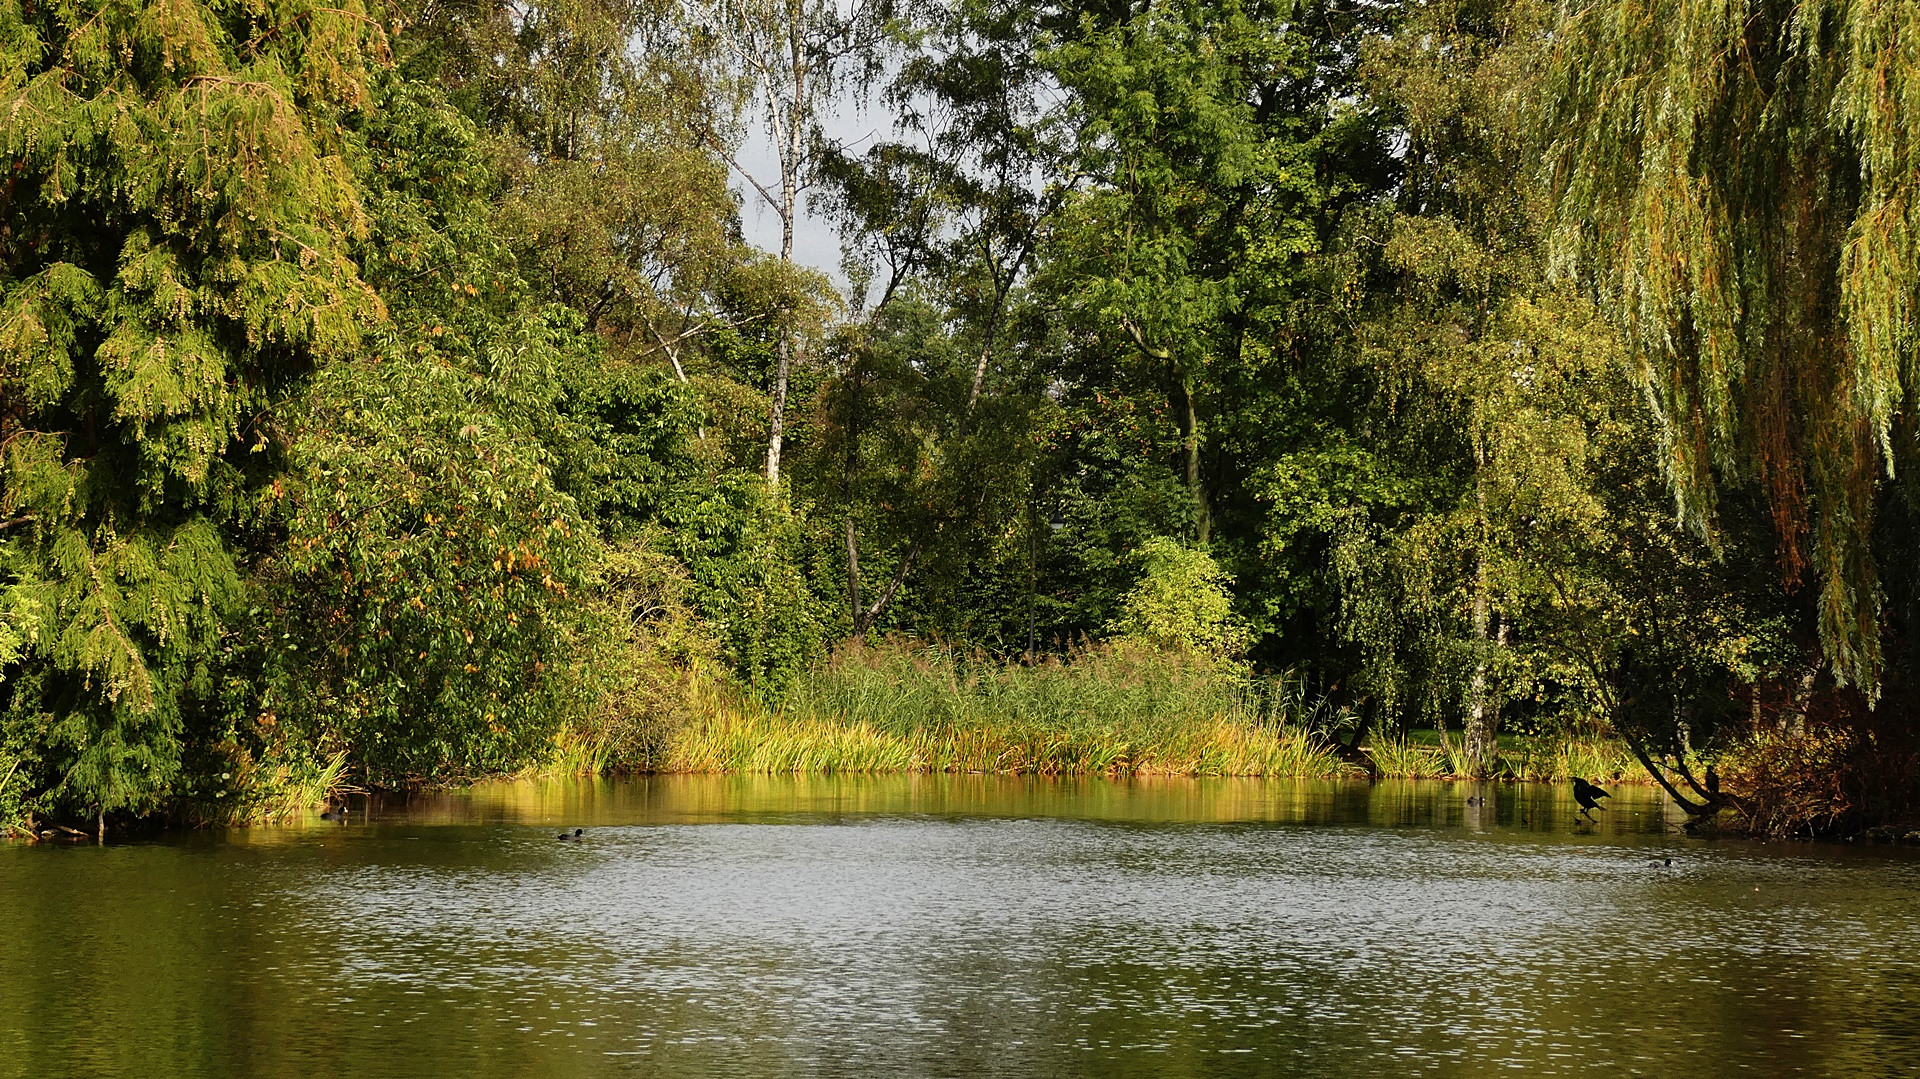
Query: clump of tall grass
1120, 687
1554, 759
1120, 708
1398, 758
284, 787
297, 794
1543, 758
755, 740
763, 741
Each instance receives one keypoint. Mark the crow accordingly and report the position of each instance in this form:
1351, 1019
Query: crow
1588, 795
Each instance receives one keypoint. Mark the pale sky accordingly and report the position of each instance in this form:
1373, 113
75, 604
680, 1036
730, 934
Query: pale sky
815, 243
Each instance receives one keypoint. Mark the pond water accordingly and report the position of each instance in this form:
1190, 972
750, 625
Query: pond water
962, 926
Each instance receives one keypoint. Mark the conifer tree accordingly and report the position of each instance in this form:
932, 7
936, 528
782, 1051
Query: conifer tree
176, 222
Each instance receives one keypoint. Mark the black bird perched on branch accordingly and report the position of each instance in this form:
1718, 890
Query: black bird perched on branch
574, 836
1588, 795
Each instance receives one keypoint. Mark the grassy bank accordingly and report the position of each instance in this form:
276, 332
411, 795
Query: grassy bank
1109, 710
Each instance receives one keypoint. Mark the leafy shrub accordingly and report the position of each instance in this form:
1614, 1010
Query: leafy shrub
426, 566
1181, 602
652, 666
1791, 782
741, 546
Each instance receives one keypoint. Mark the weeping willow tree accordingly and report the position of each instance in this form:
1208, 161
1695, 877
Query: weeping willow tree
1737, 182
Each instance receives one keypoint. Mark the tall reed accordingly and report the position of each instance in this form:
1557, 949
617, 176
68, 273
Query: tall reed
1112, 709
266, 792
1115, 709
1561, 758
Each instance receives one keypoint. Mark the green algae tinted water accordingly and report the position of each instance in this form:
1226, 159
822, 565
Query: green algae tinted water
962, 926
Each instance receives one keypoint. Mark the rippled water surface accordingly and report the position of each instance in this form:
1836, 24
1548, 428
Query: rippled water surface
962, 926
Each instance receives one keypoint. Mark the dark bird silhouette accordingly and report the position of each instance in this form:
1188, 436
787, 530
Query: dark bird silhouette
1663, 864
1476, 801
1588, 795
1713, 781
331, 813
574, 836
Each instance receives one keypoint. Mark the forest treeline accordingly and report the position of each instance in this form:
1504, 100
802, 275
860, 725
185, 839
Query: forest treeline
388, 394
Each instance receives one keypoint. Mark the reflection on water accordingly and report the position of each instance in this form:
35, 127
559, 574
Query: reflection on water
934, 925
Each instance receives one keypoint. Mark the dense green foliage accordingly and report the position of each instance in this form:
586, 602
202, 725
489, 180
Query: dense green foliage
1738, 183
180, 227
392, 398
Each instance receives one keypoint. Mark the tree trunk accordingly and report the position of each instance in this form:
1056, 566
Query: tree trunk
986, 353
853, 572
1202, 517
1483, 723
1477, 711
1033, 562
777, 420
1794, 722
1482, 713
863, 620
1692, 808
849, 467
679, 372
789, 195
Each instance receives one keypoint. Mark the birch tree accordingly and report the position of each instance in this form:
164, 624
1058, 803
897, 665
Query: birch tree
786, 62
